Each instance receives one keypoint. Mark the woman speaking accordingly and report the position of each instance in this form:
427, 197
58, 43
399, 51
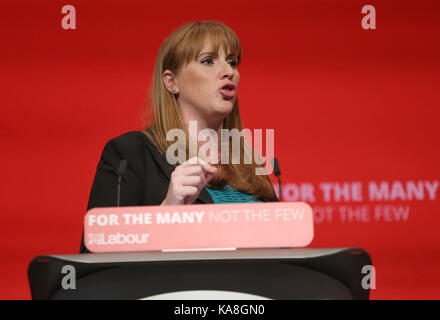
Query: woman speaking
195, 81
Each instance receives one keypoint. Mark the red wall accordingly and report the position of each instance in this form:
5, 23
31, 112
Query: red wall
348, 105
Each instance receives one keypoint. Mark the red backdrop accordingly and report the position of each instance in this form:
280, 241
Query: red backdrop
350, 107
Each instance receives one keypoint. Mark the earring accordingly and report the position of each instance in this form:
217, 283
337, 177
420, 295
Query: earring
174, 90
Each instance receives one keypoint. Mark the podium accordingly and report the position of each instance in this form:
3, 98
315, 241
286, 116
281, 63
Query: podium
280, 274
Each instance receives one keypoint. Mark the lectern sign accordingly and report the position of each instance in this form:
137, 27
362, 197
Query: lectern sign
244, 225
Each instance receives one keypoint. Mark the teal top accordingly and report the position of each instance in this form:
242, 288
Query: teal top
230, 195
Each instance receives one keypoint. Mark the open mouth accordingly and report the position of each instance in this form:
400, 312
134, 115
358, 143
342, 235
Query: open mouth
228, 91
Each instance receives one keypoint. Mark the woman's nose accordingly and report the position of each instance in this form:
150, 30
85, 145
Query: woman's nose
227, 71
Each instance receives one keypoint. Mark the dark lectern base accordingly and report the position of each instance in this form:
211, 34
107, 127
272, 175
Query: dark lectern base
263, 273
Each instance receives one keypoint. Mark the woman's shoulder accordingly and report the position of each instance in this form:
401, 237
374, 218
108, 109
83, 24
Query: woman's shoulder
129, 145
138, 150
130, 141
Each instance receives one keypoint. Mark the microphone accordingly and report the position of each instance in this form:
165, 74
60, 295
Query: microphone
277, 172
120, 173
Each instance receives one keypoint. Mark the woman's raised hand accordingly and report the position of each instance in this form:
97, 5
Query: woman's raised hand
187, 180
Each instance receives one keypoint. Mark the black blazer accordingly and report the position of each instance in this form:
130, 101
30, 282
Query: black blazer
145, 181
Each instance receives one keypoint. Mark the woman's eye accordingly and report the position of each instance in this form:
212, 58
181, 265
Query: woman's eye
233, 63
209, 61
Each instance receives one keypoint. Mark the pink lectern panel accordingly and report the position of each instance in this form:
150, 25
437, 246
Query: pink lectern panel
245, 225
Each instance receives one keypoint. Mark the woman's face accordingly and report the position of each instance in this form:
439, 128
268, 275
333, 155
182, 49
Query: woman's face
207, 86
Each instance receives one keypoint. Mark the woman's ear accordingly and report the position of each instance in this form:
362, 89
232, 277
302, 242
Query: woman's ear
169, 80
